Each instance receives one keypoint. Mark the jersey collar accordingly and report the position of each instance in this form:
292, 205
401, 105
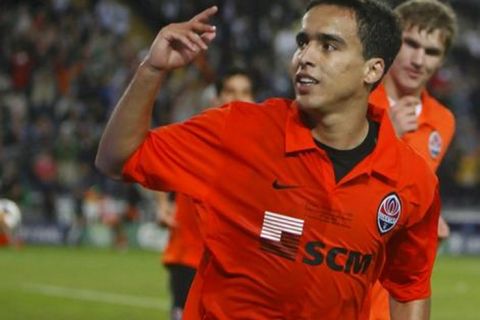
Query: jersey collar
383, 159
297, 136
426, 110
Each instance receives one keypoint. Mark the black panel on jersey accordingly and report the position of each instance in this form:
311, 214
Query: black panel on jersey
345, 160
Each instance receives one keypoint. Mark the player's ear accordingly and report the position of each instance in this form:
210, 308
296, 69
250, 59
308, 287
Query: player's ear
373, 71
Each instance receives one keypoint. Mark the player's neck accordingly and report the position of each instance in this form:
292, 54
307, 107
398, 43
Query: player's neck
396, 92
339, 131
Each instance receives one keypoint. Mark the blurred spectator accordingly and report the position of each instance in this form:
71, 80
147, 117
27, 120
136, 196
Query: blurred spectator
113, 16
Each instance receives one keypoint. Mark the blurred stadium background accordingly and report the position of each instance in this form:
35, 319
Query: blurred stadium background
90, 246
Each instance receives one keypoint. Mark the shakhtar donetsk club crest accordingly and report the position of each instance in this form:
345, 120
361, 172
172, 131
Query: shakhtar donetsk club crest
434, 144
388, 213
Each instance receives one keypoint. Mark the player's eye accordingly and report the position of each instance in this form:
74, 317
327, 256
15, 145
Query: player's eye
411, 43
328, 46
301, 39
433, 52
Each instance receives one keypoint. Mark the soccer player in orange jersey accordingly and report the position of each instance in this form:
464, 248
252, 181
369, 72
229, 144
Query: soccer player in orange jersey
421, 121
185, 246
304, 202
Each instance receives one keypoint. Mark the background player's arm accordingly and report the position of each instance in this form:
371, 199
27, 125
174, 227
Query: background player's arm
443, 229
412, 310
175, 46
165, 210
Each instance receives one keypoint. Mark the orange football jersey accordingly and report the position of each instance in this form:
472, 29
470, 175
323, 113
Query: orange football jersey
185, 245
283, 239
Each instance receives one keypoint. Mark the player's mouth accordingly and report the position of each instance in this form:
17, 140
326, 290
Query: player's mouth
412, 73
304, 82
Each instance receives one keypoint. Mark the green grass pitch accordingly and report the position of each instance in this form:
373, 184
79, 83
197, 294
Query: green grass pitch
45, 283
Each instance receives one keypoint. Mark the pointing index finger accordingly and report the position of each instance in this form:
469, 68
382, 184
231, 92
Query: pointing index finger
205, 14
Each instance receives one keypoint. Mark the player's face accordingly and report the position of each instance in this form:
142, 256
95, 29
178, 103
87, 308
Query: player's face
328, 67
236, 88
419, 58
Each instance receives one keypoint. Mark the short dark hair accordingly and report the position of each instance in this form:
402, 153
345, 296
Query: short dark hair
231, 72
378, 27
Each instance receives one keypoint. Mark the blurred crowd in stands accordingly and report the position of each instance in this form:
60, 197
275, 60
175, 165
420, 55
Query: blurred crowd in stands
63, 64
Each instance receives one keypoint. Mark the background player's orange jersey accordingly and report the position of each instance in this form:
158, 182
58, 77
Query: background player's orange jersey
185, 245
436, 126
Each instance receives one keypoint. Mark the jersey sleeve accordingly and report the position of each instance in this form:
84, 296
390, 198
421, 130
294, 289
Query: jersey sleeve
449, 132
410, 257
181, 157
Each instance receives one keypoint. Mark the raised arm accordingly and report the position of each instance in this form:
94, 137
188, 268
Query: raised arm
175, 46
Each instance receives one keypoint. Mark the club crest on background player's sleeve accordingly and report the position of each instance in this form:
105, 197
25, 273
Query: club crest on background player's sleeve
434, 144
388, 213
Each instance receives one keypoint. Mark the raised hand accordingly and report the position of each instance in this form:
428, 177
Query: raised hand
177, 44
403, 115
